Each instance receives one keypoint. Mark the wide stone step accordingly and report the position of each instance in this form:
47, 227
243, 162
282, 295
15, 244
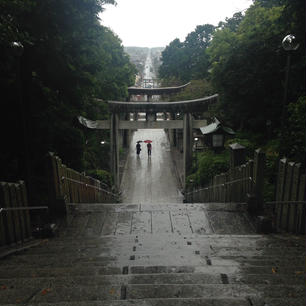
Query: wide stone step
183, 302
167, 218
111, 207
19, 272
81, 259
217, 269
58, 293
80, 270
211, 290
135, 255
145, 279
289, 241
255, 244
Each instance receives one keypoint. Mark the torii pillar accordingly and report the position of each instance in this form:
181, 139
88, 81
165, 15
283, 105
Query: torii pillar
187, 145
114, 142
171, 132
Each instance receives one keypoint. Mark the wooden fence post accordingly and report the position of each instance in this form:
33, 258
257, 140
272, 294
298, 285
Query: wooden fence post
6, 202
244, 183
300, 224
56, 201
239, 176
284, 219
280, 190
16, 213
237, 155
293, 208
21, 214
250, 174
2, 225
258, 177
24, 199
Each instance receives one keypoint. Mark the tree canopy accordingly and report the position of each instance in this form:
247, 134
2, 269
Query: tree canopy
187, 60
245, 63
68, 60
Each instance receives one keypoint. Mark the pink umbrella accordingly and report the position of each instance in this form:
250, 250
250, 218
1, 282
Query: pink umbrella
148, 141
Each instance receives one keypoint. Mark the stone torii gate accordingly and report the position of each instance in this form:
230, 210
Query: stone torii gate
149, 92
187, 124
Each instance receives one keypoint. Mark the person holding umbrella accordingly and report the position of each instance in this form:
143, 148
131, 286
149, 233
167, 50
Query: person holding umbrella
149, 146
138, 147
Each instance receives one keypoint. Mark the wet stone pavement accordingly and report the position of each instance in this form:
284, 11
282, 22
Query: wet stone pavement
157, 253
150, 179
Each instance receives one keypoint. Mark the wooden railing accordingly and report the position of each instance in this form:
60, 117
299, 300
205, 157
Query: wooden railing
245, 184
15, 224
289, 205
233, 186
64, 186
69, 186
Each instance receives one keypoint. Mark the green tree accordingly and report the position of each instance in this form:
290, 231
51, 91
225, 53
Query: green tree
247, 68
187, 60
195, 45
231, 23
69, 59
295, 133
174, 61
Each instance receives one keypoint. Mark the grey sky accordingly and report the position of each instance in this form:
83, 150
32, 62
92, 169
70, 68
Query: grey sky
155, 23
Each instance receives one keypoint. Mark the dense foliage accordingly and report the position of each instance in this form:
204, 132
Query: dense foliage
245, 63
68, 59
208, 164
187, 60
195, 90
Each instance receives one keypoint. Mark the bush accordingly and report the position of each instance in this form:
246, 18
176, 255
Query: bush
210, 164
102, 175
293, 142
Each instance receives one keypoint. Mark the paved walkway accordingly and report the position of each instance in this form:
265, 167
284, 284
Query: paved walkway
150, 179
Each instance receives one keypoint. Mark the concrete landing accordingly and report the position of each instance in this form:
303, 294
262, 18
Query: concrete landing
160, 218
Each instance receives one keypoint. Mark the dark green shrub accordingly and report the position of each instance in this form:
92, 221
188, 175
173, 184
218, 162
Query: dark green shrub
209, 165
101, 175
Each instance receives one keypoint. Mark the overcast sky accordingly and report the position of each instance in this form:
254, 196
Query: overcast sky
155, 23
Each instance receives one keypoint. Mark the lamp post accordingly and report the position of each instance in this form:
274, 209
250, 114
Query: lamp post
196, 139
289, 44
18, 52
105, 151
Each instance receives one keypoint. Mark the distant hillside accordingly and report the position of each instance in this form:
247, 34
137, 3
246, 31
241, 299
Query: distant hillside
138, 57
156, 58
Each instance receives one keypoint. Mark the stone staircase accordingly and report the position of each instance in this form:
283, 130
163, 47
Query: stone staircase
157, 255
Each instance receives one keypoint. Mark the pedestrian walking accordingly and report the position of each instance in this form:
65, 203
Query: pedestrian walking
149, 147
138, 148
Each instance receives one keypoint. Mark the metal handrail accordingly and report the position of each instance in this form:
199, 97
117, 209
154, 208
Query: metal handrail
88, 185
2, 209
222, 185
287, 202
